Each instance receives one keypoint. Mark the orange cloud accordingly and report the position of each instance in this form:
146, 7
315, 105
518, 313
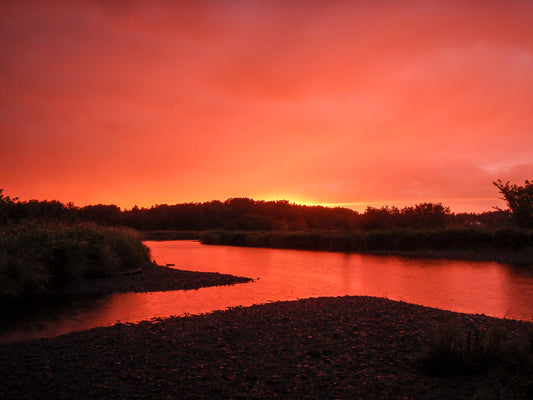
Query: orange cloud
329, 102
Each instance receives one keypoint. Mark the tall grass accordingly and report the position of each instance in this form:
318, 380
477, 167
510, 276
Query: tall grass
460, 351
36, 258
506, 239
170, 235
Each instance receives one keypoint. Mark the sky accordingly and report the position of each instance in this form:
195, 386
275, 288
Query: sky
337, 103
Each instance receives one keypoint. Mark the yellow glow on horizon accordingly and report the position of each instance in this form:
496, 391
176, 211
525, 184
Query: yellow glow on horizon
297, 200
457, 205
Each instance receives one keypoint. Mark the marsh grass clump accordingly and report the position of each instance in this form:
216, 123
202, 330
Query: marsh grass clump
36, 258
460, 351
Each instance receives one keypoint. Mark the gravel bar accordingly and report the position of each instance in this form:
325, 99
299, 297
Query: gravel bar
321, 348
152, 278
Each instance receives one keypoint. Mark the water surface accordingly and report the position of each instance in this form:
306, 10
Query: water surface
473, 287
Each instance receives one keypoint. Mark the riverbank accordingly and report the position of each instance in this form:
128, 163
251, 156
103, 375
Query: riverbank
39, 258
513, 246
151, 278
53, 258
348, 347
518, 258
162, 235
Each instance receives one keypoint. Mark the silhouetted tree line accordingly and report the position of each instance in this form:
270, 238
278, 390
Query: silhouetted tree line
249, 215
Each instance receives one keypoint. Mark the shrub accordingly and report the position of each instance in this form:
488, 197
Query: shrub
458, 351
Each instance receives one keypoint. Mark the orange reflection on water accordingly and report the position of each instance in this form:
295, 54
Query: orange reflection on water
471, 287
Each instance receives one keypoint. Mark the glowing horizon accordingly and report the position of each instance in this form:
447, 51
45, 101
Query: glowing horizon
455, 205
326, 103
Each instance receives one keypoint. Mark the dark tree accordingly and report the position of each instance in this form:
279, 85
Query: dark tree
519, 199
6, 205
379, 218
426, 215
102, 213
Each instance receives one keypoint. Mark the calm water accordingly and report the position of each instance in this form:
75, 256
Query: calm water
473, 287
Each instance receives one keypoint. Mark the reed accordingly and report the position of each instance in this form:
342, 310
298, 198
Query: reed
38, 258
461, 351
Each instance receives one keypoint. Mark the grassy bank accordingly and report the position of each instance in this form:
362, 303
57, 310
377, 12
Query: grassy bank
170, 235
38, 258
465, 351
450, 239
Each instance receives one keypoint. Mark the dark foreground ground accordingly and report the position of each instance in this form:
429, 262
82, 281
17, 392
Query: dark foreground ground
326, 348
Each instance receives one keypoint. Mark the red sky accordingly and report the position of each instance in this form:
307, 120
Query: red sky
348, 103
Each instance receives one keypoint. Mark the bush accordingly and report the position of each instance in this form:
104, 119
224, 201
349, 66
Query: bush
36, 258
458, 351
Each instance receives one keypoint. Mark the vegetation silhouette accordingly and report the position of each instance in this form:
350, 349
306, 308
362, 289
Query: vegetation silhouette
519, 201
466, 351
280, 224
38, 258
245, 214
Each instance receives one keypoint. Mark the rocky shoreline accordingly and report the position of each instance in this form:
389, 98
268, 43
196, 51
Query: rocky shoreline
346, 347
151, 278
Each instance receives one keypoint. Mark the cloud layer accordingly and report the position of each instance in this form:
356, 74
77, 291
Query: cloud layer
325, 102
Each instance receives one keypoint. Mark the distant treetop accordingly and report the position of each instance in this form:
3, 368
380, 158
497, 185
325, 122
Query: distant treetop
519, 199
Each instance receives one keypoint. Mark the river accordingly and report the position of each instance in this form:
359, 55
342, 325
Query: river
488, 288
